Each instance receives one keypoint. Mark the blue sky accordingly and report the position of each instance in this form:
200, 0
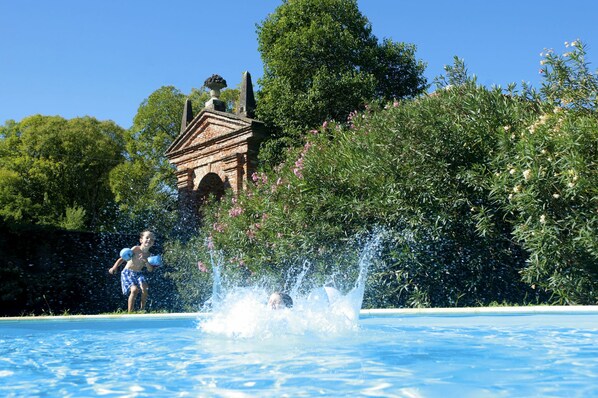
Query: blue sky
102, 58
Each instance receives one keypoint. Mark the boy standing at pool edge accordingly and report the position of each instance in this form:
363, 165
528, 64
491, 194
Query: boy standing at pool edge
132, 278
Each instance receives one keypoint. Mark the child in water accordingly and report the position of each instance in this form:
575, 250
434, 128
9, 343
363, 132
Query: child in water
132, 278
280, 300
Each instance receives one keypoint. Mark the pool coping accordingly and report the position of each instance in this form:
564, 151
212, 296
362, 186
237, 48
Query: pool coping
540, 309
536, 309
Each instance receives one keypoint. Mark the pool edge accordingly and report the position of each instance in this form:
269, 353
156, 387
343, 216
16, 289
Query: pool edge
541, 309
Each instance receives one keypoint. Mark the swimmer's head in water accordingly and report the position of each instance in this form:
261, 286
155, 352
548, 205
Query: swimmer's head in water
280, 300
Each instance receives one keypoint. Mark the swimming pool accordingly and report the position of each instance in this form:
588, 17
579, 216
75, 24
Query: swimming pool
535, 351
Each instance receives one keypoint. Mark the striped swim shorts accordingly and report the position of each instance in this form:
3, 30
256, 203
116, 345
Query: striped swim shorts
129, 278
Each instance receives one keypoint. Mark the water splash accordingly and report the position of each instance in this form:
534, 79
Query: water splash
216, 260
242, 312
366, 258
297, 285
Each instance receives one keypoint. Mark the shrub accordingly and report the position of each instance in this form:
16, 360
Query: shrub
546, 179
483, 196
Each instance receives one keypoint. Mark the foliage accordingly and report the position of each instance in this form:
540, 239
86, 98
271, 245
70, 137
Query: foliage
424, 187
546, 178
568, 80
74, 219
47, 270
454, 75
145, 185
321, 62
188, 274
484, 196
49, 165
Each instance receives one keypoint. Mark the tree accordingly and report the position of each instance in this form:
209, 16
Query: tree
54, 171
145, 185
322, 62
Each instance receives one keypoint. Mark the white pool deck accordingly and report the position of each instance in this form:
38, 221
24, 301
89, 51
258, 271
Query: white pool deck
541, 309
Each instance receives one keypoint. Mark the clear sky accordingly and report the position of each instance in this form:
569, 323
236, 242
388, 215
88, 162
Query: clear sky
102, 58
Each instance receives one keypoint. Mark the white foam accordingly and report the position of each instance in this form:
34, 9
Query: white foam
243, 312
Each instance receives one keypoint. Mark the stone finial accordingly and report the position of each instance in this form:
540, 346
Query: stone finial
215, 83
246, 98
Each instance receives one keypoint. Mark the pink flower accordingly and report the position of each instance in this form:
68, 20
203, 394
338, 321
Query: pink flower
210, 243
325, 124
202, 267
235, 211
218, 227
395, 104
299, 163
259, 178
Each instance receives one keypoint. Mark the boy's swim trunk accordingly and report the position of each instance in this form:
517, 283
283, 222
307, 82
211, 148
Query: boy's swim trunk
129, 278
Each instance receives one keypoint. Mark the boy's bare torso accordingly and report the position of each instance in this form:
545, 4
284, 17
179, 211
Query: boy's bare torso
138, 261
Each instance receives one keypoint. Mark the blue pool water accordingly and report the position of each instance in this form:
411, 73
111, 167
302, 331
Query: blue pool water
515, 354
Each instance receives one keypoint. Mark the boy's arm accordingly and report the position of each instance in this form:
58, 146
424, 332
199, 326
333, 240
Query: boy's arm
116, 265
146, 263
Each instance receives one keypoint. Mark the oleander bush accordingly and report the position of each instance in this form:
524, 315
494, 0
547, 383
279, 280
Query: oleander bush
546, 180
482, 195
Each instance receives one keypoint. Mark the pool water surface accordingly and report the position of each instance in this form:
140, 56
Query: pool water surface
386, 354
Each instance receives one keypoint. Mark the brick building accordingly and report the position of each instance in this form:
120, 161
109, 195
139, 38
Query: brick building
216, 150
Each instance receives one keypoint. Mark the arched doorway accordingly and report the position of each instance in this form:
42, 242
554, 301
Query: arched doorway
211, 187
